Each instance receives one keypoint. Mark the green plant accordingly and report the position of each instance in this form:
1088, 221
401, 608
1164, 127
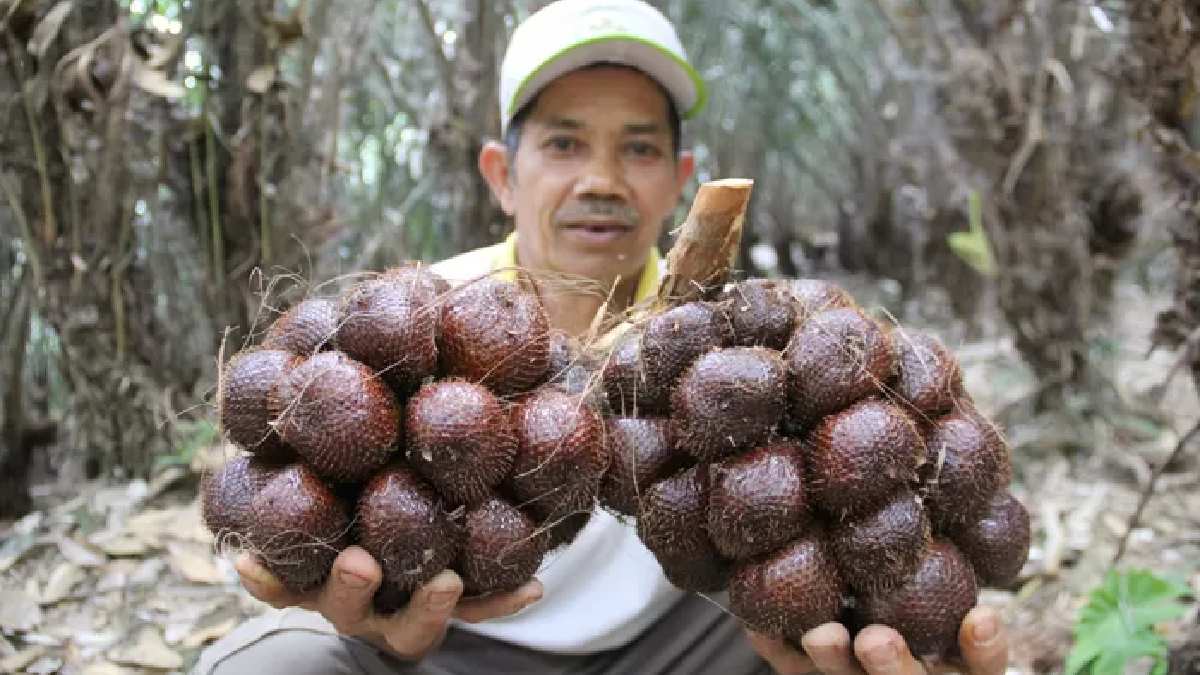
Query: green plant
190, 437
1117, 624
972, 246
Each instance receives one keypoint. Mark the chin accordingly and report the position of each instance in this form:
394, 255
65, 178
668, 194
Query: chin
602, 268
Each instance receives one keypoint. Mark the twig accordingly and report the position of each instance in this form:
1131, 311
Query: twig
445, 70
49, 224
1034, 132
1148, 491
32, 251
1190, 345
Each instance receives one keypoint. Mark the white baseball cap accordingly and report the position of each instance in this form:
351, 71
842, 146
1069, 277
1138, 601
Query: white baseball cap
570, 34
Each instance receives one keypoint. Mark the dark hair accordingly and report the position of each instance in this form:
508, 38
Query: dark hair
512, 137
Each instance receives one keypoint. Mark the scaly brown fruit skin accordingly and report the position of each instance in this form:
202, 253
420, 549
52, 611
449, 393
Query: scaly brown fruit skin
928, 377
641, 454
757, 501
697, 575
563, 531
459, 438
814, 296
421, 277
390, 599
997, 543
501, 550
861, 456
727, 401
672, 341
674, 525
298, 527
561, 453
243, 403
928, 608
838, 357
572, 370
790, 591
624, 377
880, 550
402, 523
494, 333
970, 462
308, 327
562, 353
227, 492
390, 324
762, 313
340, 417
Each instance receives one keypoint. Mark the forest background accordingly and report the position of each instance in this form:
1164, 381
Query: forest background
1020, 177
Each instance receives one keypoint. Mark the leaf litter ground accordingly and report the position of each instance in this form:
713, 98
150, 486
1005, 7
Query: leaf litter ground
122, 577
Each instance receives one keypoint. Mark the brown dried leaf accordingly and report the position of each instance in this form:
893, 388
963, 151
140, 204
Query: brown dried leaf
194, 564
207, 634
47, 29
14, 548
81, 554
147, 651
18, 661
19, 611
123, 545
106, 668
157, 83
45, 665
165, 479
61, 581
261, 78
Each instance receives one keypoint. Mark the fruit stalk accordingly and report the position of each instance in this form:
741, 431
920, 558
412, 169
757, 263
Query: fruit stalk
708, 242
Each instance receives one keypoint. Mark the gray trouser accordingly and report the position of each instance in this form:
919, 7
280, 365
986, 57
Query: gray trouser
695, 636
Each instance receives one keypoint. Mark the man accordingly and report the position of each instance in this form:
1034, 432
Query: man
592, 93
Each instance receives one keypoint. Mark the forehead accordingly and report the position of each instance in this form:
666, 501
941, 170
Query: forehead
602, 96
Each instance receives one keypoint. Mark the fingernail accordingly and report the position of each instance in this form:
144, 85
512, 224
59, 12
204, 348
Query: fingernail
442, 600
883, 655
351, 580
530, 596
985, 630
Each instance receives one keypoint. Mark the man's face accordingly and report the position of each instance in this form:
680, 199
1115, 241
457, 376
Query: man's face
595, 175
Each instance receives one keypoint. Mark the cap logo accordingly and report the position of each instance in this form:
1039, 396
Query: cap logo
604, 23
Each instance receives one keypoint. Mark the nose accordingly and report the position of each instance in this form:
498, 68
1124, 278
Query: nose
602, 178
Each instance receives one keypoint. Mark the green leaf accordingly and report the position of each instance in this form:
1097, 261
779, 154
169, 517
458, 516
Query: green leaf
972, 246
1117, 624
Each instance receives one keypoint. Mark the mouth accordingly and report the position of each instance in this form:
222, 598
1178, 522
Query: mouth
599, 227
597, 233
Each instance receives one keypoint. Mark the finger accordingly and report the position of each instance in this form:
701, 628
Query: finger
497, 605
828, 646
882, 651
417, 628
784, 659
984, 642
263, 585
345, 599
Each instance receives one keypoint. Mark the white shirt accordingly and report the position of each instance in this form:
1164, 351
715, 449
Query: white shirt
603, 589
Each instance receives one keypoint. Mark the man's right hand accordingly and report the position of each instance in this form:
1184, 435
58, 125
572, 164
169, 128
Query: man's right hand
411, 633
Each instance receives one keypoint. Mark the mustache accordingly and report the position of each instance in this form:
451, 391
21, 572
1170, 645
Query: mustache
597, 209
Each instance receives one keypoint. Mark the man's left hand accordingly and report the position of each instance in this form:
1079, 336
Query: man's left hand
879, 650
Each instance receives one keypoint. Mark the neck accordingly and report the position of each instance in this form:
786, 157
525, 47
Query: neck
574, 311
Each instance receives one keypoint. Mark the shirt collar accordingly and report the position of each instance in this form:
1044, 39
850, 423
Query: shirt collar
504, 263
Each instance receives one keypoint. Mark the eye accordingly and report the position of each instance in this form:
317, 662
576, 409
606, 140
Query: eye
643, 149
561, 144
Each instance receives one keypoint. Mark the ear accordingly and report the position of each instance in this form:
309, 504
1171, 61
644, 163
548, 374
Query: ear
685, 166
493, 165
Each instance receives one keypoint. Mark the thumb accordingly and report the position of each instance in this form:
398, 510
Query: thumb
984, 642
346, 597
